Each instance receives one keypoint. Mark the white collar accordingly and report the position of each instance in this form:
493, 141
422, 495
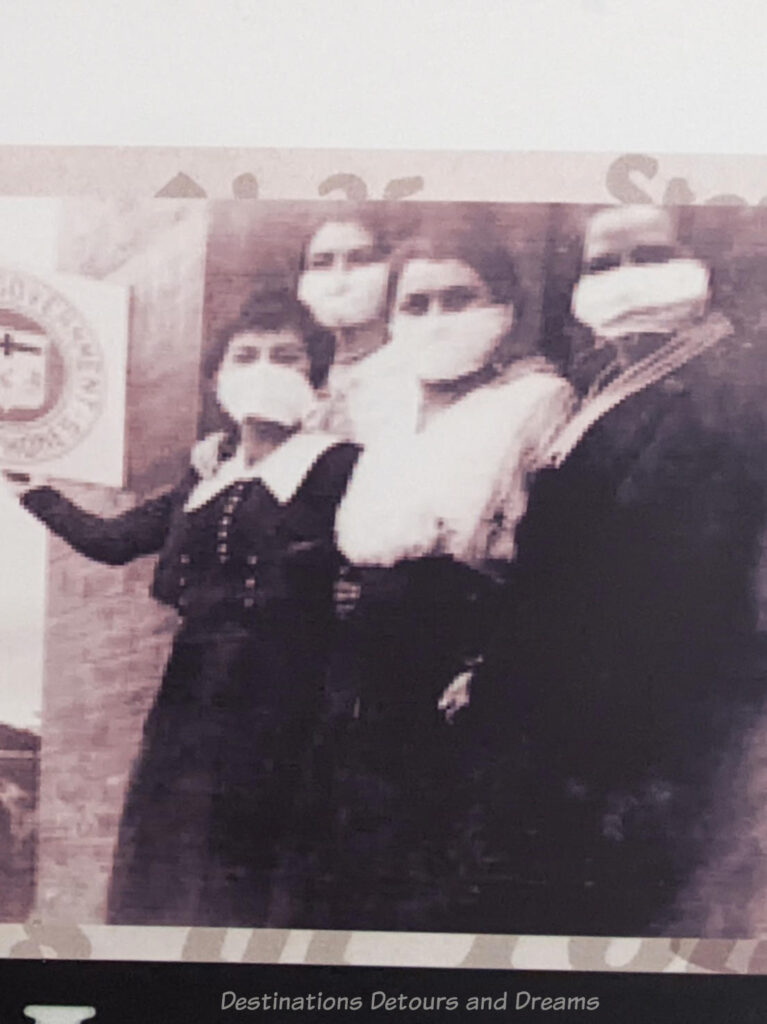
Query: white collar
282, 471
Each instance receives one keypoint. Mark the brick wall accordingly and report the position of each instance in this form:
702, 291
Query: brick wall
106, 640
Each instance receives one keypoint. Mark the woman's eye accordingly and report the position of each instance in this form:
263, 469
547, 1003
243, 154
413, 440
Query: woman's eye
415, 304
652, 254
599, 264
456, 299
286, 356
361, 257
246, 355
321, 261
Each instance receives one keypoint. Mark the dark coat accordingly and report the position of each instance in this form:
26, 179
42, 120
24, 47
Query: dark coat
214, 790
623, 659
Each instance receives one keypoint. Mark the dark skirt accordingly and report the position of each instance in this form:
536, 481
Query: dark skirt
386, 852
388, 786
213, 791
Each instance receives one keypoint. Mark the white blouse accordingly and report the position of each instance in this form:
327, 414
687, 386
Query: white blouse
459, 486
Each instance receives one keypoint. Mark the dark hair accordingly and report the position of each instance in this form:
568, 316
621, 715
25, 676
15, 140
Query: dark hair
270, 309
493, 263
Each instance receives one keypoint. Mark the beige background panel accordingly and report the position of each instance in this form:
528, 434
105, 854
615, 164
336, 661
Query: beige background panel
124, 172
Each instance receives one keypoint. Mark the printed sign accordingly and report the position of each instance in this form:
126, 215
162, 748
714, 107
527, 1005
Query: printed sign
63, 344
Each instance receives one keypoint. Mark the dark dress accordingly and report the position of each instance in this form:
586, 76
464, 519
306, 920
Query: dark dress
623, 661
386, 775
214, 789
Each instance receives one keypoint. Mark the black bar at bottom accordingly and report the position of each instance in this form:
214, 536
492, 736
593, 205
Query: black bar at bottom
180, 993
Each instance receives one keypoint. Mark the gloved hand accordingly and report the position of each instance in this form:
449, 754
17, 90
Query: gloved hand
205, 457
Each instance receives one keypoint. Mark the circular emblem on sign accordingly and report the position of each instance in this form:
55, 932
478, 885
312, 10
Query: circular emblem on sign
52, 375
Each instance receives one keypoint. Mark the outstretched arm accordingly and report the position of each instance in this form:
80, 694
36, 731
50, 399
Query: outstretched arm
114, 541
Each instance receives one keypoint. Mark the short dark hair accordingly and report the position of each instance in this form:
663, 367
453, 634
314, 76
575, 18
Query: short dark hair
271, 309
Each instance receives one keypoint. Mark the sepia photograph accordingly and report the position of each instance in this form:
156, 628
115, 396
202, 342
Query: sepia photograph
384, 566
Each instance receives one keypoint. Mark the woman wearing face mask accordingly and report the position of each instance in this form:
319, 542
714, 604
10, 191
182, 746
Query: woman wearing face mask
342, 283
633, 591
247, 559
428, 524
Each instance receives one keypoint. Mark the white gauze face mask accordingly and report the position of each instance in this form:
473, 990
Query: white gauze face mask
344, 298
265, 391
448, 346
649, 298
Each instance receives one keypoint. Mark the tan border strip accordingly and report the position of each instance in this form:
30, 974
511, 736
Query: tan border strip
40, 940
126, 172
